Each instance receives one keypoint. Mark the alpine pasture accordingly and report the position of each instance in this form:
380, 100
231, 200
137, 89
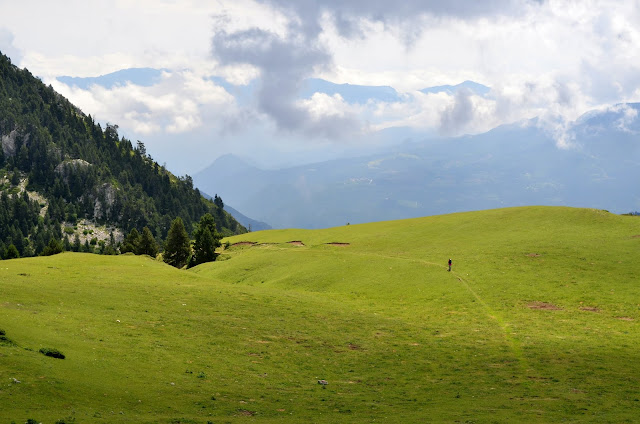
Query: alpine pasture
536, 322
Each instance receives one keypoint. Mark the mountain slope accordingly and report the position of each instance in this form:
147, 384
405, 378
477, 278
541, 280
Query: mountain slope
537, 322
80, 171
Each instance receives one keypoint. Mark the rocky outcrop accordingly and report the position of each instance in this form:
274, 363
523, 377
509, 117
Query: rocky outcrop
9, 143
105, 199
68, 166
71, 165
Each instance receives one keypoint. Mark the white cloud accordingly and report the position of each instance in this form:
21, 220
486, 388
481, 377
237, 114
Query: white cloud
554, 59
176, 104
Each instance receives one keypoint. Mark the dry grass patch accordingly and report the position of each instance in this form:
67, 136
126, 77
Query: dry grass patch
544, 306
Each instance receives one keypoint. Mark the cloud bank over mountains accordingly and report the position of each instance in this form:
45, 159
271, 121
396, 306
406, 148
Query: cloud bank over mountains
233, 77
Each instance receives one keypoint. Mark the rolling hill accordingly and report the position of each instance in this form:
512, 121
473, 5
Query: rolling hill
537, 322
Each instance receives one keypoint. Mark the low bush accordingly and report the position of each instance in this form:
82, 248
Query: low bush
4, 340
54, 353
68, 230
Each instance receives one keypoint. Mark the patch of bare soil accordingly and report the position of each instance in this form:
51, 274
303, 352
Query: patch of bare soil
590, 309
338, 244
625, 318
243, 243
636, 236
246, 413
544, 305
296, 243
534, 255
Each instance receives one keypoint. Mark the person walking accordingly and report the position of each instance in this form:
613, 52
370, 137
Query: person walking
449, 265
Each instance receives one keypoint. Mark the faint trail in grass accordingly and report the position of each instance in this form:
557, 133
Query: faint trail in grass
510, 339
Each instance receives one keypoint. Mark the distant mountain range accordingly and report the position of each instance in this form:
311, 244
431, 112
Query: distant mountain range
351, 93
474, 87
425, 174
144, 77
512, 165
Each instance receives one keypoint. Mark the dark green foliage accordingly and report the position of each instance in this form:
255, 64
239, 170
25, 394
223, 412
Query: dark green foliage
54, 353
131, 242
177, 247
68, 158
218, 202
12, 252
15, 178
4, 340
77, 246
207, 239
147, 245
53, 248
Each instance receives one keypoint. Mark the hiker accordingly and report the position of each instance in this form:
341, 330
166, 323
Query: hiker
449, 264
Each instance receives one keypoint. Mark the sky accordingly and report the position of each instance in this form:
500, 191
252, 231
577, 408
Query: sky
233, 70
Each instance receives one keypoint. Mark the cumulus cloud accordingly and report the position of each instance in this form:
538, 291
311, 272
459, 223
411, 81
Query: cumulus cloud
548, 59
8, 48
285, 58
284, 61
178, 103
459, 114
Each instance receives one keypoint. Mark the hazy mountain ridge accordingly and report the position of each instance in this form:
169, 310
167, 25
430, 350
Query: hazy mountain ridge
351, 93
512, 165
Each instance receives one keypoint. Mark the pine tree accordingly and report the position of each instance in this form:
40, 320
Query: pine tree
203, 247
147, 244
53, 248
76, 243
12, 252
131, 242
207, 239
177, 247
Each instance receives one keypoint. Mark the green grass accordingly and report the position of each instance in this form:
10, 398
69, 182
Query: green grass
397, 337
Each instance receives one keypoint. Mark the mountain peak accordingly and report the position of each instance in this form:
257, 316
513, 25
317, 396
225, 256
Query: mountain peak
476, 88
144, 77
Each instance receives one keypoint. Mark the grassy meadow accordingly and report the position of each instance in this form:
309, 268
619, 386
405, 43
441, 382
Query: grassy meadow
537, 322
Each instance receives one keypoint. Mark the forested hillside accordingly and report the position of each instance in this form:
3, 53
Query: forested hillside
59, 167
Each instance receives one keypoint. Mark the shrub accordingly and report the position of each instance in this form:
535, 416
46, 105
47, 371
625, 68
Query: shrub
54, 353
68, 230
4, 340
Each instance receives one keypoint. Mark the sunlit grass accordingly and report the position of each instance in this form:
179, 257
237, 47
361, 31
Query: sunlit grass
537, 322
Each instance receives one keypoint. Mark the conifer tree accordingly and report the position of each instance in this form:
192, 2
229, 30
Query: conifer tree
53, 248
147, 244
77, 247
177, 247
207, 239
12, 252
131, 242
